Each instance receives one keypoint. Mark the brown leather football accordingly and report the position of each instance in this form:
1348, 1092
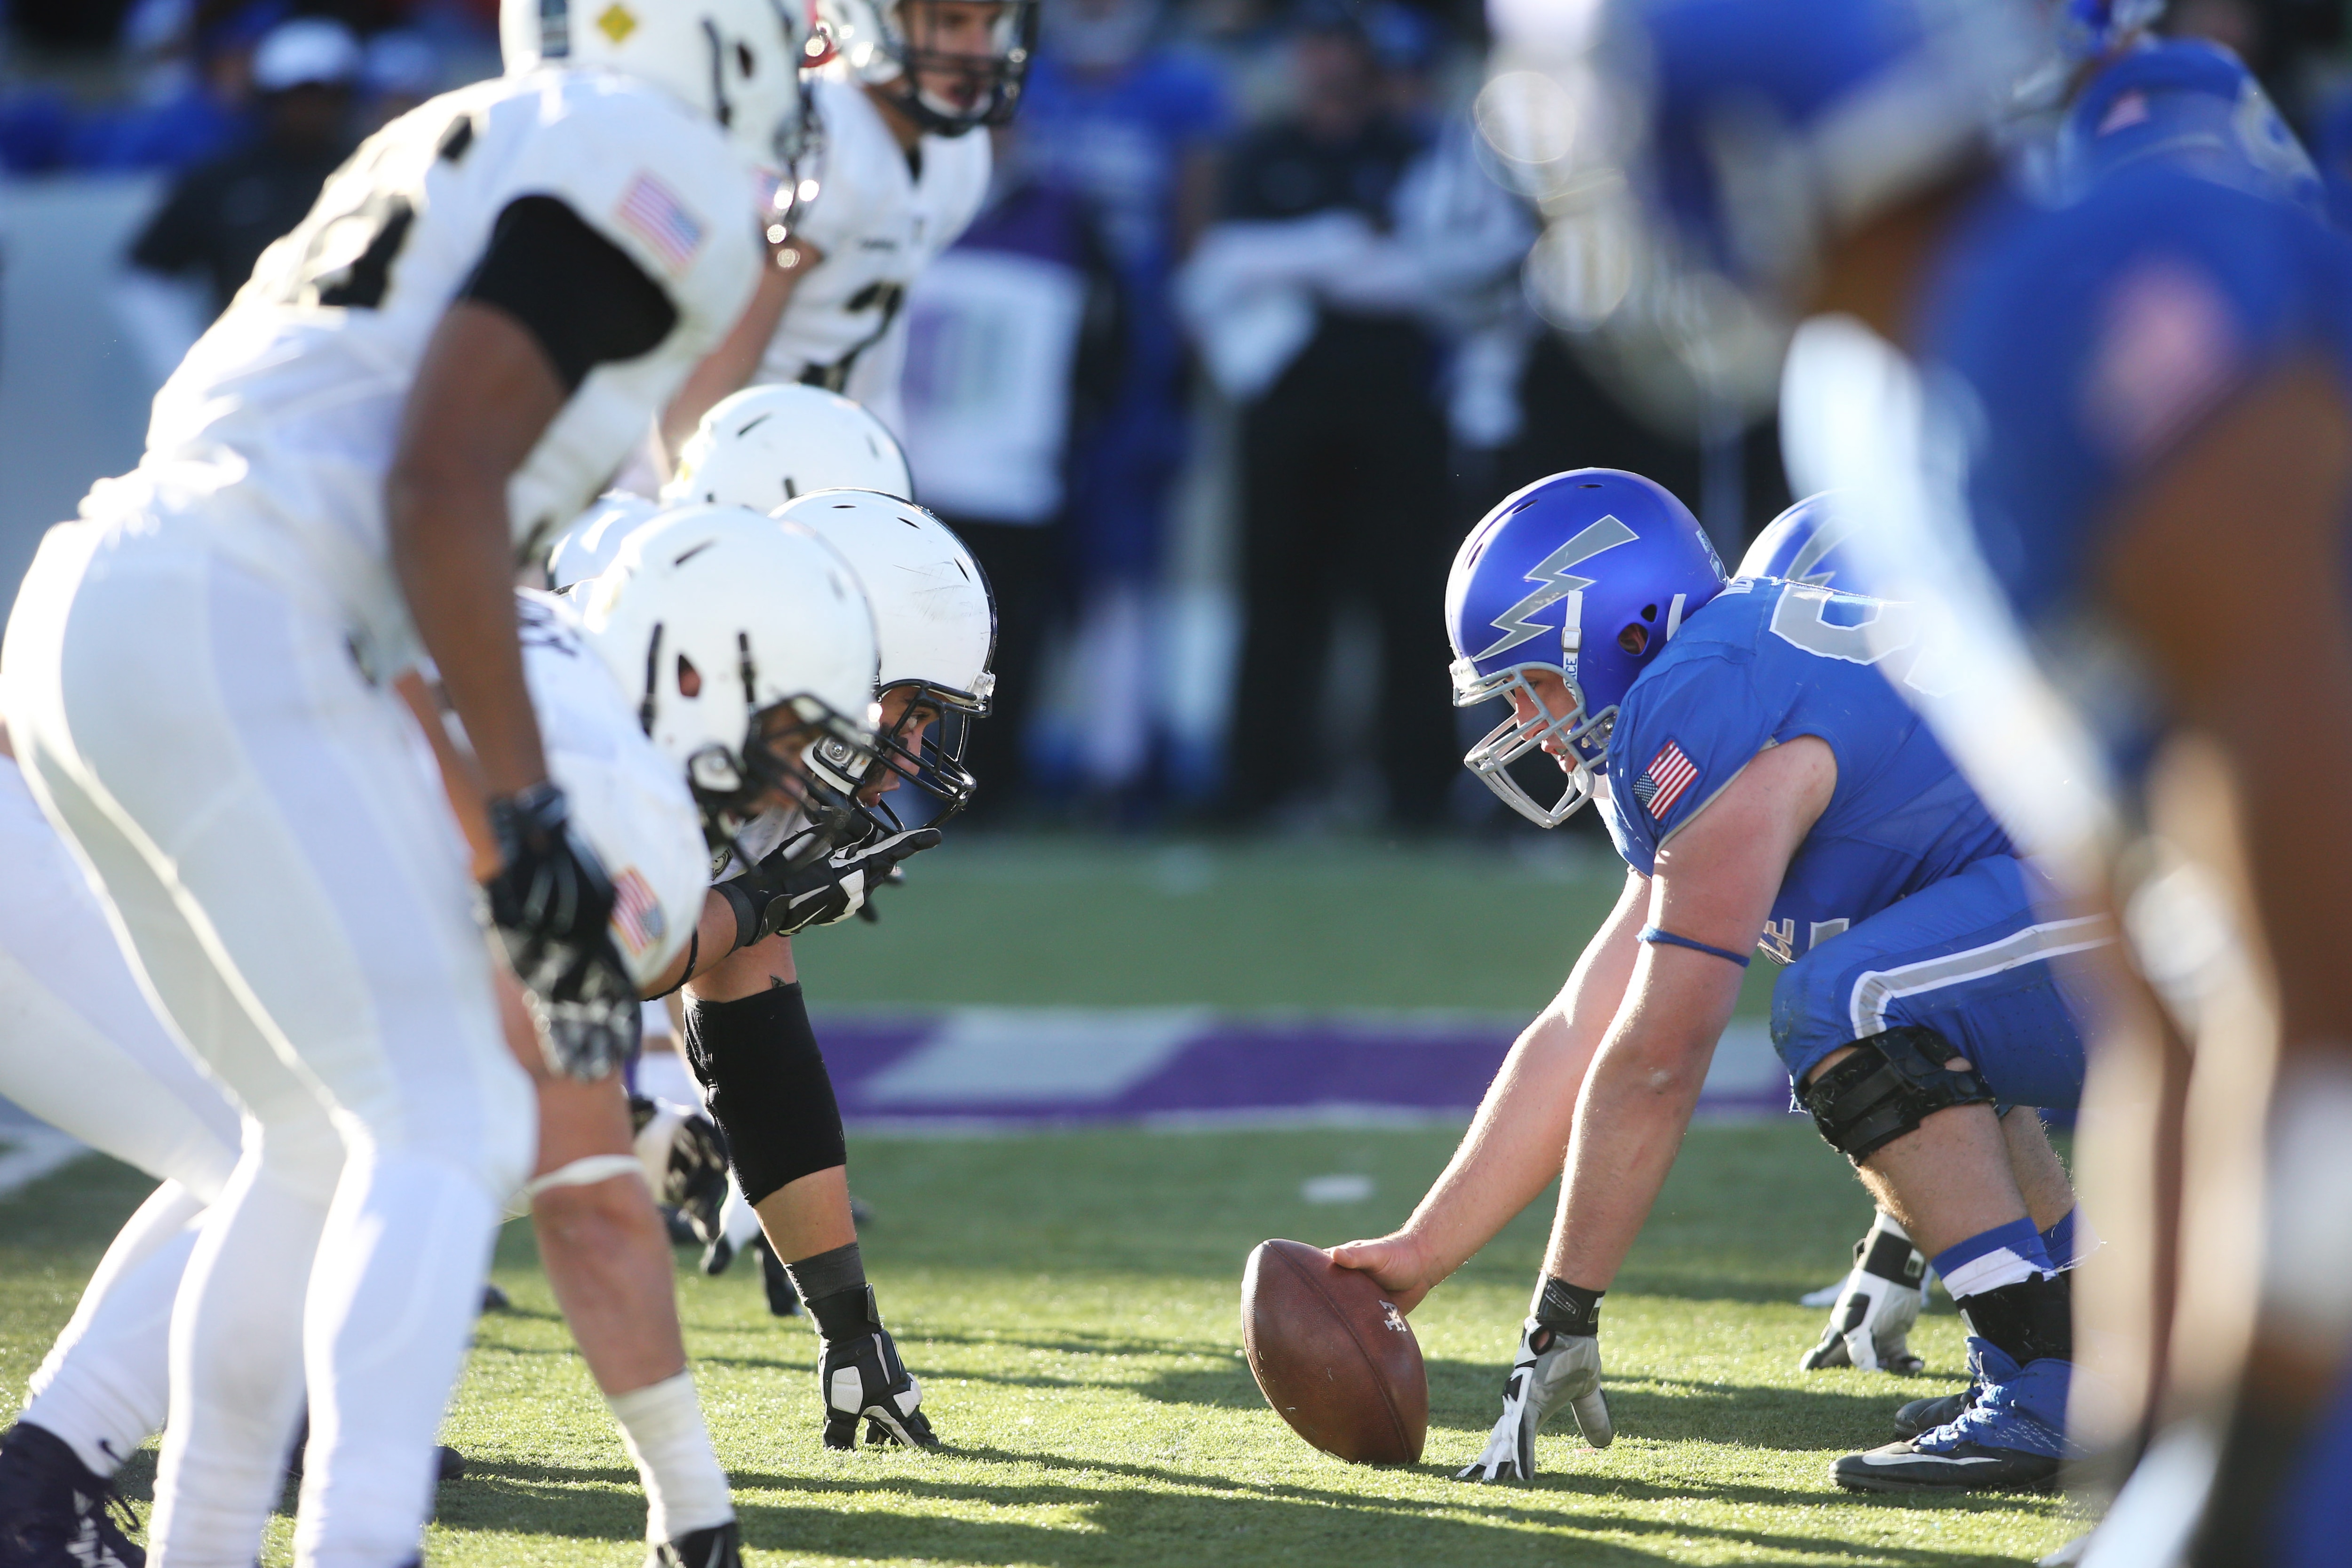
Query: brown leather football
1332, 1356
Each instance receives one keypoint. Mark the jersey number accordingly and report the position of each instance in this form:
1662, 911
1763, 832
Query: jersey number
1879, 629
884, 297
344, 260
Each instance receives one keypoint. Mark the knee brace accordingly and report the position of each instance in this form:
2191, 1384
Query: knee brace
1894, 1081
764, 1082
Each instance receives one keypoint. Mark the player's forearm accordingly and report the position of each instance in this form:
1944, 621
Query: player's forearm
1515, 1143
449, 546
1638, 1096
714, 942
727, 368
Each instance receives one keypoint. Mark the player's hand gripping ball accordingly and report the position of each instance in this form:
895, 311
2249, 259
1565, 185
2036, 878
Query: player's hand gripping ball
1333, 1356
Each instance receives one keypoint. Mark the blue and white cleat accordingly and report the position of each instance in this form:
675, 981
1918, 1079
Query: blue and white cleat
2012, 1437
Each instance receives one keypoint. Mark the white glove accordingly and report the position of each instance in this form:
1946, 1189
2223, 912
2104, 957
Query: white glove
1870, 1323
1551, 1369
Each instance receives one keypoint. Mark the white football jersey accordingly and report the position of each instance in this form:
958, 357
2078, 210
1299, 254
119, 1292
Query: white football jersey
879, 226
275, 435
629, 801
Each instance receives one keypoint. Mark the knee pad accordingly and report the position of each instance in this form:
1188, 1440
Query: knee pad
764, 1082
1894, 1081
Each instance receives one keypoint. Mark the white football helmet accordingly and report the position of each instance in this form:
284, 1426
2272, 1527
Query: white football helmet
937, 623
765, 445
713, 618
589, 544
738, 61
891, 44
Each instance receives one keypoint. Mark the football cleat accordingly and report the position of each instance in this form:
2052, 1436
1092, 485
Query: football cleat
720, 1546
1917, 1415
55, 1512
1551, 1369
2013, 1438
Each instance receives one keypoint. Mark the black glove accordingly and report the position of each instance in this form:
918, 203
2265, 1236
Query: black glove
790, 899
862, 1379
551, 905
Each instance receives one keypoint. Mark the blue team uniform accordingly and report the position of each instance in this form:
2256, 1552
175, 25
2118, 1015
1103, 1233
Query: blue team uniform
1906, 904
2083, 343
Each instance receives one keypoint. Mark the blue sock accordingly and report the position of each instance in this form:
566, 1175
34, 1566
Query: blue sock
1989, 1259
2059, 1241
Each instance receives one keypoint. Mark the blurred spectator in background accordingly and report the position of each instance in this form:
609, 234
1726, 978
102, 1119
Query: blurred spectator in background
221, 215
1356, 245
191, 96
1118, 118
401, 70
1014, 348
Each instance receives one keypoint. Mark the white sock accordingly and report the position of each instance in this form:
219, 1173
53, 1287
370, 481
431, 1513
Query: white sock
662, 1426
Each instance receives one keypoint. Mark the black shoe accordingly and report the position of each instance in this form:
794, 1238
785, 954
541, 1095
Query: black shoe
721, 1546
1963, 1467
1924, 1414
495, 1299
54, 1513
448, 1465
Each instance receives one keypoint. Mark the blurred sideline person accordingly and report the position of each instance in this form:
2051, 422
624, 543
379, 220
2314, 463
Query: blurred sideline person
220, 215
2186, 363
341, 477
1013, 353
893, 175
1768, 788
777, 593
1347, 234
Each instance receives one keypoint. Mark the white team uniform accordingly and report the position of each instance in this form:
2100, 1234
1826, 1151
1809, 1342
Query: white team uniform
879, 224
81, 1047
197, 686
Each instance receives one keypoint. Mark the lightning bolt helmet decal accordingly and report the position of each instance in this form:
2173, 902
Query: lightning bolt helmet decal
1573, 585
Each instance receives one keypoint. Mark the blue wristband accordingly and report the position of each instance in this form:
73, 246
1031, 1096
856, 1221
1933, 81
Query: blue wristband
1652, 934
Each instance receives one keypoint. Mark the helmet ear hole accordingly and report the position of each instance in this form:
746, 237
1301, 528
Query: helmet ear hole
689, 680
1635, 640
1649, 612
744, 61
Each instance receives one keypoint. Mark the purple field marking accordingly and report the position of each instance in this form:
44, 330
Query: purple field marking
1372, 1067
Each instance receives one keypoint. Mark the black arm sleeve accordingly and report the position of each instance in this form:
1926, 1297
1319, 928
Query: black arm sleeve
581, 295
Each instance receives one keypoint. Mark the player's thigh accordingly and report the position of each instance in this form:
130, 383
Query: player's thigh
81, 1045
230, 726
1977, 957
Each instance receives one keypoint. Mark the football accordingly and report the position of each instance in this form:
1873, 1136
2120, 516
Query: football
1333, 1357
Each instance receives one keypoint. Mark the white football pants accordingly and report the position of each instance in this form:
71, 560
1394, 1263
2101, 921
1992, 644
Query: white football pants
294, 893
81, 1047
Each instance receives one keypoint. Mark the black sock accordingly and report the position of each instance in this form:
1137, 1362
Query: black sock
2030, 1321
1568, 1309
834, 1284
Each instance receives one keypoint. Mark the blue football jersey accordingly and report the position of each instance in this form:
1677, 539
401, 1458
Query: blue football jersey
2072, 348
2195, 105
1767, 661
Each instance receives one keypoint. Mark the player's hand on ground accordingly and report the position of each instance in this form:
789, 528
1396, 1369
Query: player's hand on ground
863, 1379
837, 886
1397, 1262
550, 903
1551, 1369
1871, 1321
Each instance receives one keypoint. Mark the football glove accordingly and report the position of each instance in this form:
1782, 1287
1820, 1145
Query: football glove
686, 1162
1551, 1369
787, 899
861, 1378
1870, 1324
550, 903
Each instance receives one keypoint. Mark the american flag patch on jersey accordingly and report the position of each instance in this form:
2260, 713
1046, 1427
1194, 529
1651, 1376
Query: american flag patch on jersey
636, 914
654, 214
1663, 782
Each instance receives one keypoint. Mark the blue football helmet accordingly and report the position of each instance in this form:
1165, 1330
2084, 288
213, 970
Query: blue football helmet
1587, 575
1771, 125
1806, 543
2090, 28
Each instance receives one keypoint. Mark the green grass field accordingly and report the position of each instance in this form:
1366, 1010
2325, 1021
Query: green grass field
1070, 1301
